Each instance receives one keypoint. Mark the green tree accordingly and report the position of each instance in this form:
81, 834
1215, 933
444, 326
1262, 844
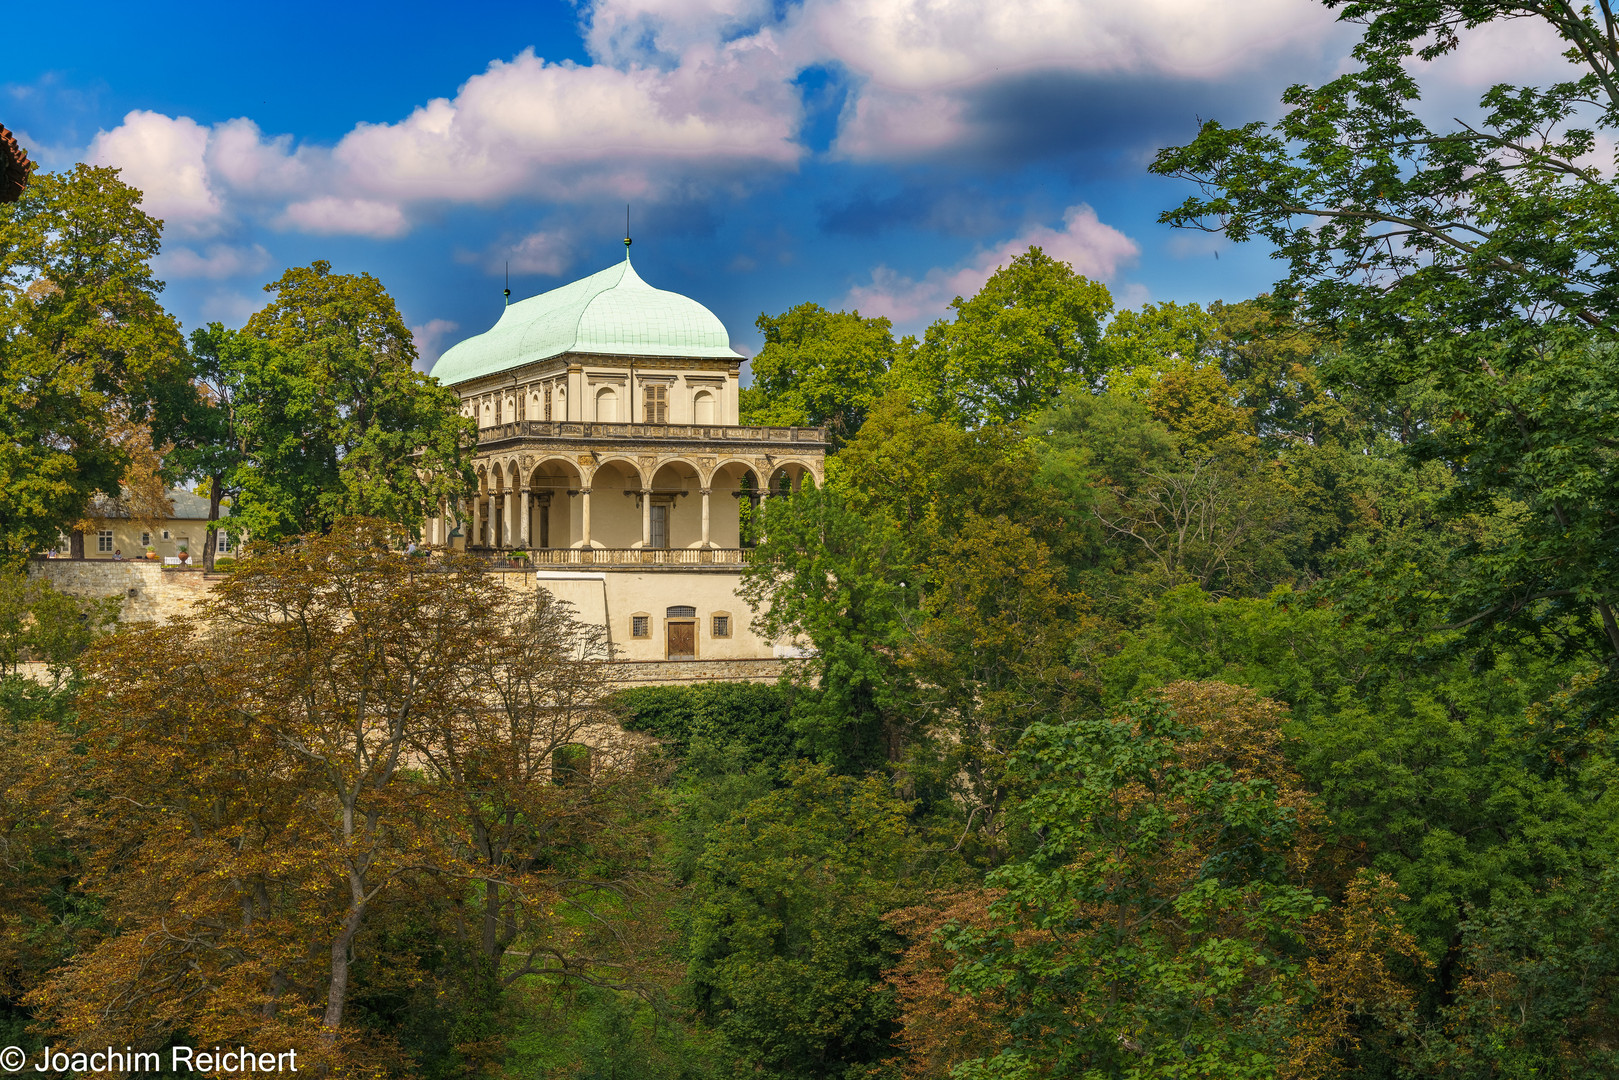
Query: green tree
1034, 326
1160, 927
198, 419
1138, 346
788, 939
818, 368
1474, 262
83, 345
330, 417
829, 577
1172, 490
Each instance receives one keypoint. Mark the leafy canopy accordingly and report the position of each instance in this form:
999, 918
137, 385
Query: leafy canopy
84, 344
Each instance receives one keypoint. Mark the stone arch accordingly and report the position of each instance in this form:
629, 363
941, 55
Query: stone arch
793, 470
628, 466
615, 503
557, 516
686, 466
675, 516
734, 489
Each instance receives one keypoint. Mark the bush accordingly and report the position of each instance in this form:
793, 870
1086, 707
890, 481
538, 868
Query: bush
751, 715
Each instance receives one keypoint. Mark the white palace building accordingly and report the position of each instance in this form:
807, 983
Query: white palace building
609, 450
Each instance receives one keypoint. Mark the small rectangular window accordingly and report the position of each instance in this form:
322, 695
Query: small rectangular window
722, 626
104, 541
224, 544
640, 626
146, 539
657, 405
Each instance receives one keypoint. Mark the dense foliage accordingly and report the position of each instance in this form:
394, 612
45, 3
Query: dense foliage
1218, 691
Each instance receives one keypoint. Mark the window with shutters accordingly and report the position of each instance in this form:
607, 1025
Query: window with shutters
657, 404
548, 403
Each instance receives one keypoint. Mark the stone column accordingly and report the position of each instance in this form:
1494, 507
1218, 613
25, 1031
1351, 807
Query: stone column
511, 513
475, 536
522, 518
704, 492
646, 517
584, 517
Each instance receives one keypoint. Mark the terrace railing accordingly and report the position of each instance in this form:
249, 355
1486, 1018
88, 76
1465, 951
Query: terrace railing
568, 429
544, 557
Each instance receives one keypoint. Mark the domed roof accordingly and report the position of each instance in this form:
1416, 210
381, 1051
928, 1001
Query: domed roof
612, 312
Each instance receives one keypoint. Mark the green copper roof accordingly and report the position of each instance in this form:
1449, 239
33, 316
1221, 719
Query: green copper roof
612, 312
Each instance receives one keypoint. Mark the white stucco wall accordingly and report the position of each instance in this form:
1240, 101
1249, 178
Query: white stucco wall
619, 595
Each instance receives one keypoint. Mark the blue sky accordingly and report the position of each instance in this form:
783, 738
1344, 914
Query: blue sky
879, 154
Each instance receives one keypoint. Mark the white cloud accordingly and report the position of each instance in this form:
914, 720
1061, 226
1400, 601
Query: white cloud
940, 44
1093, 249
219, 261
429, 338
1506, 51
626, 32
682, 93
922, 62
248, 163
547, 253
164, 157
332, 216
564, 130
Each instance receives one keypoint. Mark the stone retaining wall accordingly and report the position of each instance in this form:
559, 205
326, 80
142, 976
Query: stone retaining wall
150, 592
628, 673
153, 594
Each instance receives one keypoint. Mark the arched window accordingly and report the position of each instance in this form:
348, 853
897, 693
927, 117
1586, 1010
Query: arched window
702, 408
606, 405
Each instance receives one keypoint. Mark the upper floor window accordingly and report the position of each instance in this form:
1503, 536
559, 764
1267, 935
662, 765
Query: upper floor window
657, 404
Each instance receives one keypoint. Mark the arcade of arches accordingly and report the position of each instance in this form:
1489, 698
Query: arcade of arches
543, 503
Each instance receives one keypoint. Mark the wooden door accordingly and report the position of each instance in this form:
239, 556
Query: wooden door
682, 639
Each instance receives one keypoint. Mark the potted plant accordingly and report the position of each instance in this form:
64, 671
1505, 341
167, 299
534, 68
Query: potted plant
520, 558
184, 553
151, 554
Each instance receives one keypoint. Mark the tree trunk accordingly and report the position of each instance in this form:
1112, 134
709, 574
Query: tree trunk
75, 547
338, 989
216, 491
